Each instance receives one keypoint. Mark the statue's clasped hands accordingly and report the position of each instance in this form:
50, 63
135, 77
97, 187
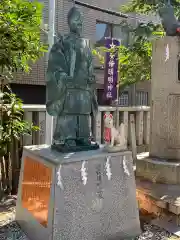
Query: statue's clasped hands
70, 83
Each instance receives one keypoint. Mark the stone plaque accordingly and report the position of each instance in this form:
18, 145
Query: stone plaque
173, 121
36, 186
92, 197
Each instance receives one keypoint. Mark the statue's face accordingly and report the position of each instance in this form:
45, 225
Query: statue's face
76, 23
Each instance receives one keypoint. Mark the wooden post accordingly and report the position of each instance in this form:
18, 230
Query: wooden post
49, 129
133, 137
102, 125
98, 127
139, 127
117, 118
42, 123
16, 165
129, 132
35, 135
39, 120
126, 123
146, 127
27, 140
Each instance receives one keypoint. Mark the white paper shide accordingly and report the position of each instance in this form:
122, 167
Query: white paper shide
59, 178
126, 170
84, 173
108, 168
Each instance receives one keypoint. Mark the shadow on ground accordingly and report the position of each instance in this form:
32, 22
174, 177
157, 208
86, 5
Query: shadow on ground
12, 231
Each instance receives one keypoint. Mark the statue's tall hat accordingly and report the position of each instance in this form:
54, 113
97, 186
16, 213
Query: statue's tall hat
73, 11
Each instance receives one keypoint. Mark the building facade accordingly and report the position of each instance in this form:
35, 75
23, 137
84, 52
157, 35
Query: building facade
97, 25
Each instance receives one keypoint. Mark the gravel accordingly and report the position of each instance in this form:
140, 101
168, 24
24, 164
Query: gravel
11, 231
153, 233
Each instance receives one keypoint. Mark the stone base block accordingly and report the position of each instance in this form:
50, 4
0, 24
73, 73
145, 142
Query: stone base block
157, 171
77, 196
162, 200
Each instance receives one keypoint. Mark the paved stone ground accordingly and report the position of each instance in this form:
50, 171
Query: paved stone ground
9, 230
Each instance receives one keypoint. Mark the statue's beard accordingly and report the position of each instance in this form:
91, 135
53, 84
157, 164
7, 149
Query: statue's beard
76, 30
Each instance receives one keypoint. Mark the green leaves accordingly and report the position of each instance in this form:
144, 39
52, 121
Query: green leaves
135, 60
12, 123
20, 34
134, 63
149, 6
20, 45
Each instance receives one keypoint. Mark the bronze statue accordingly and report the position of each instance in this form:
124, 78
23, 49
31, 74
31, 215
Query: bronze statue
71, 93
170, 24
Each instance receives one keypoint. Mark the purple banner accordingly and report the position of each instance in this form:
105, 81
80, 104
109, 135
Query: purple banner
111, 70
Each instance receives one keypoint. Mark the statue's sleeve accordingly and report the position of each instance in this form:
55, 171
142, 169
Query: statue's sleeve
57, 64
56, 78
92, 79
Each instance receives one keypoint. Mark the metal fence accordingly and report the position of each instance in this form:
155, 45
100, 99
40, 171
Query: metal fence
141, 99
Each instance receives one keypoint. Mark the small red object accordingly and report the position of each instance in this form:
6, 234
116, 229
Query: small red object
178, 30
110, 115
107, 134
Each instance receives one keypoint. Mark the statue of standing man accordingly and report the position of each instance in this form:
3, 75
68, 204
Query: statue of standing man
71, 94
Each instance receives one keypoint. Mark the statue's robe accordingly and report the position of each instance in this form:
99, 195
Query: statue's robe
77, 97
72, 102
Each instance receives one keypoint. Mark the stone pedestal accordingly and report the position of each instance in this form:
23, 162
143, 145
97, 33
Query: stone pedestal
158, 173
165, 99
162, 163
79, 196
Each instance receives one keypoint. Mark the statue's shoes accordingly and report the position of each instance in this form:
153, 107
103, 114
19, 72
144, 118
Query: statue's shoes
70, 143
83, 142
78, 147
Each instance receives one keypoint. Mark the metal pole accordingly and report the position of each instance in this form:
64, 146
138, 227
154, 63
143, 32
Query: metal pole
51, 34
